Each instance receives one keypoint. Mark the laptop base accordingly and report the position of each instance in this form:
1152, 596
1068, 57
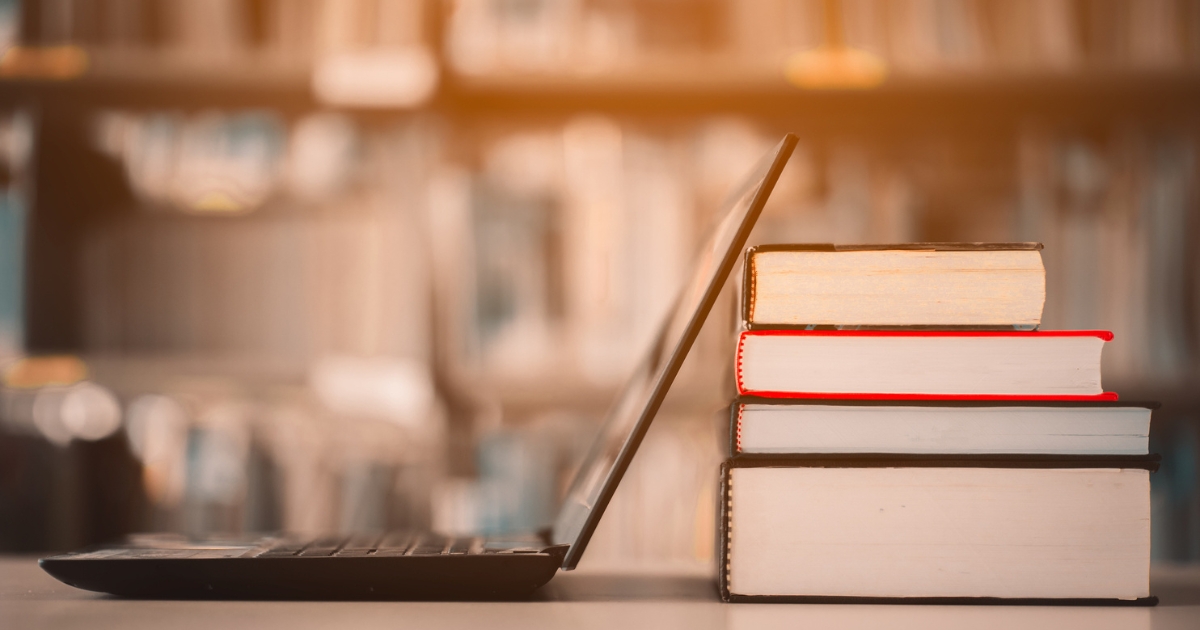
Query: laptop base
241, 573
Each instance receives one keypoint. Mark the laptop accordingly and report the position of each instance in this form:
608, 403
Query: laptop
424, 565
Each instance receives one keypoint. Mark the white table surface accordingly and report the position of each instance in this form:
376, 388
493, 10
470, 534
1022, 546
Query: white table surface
31, 599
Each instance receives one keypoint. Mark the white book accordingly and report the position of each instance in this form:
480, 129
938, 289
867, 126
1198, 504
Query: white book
766, 427
937, 533
1053, 365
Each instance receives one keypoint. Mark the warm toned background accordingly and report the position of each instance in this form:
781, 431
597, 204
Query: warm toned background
345, 265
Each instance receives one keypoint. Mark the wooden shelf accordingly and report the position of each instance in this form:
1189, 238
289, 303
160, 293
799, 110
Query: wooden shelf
127, 79
994, 101
666, 88
521, 397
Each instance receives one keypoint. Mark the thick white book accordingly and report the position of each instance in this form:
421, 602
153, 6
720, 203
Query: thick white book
771, 427
937, 532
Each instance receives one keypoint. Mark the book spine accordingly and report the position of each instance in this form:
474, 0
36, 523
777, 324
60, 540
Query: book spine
1022, 402
725, 525
1149, 462
1101, 397
917, 247
735, 429
751, 326
737, 364
748, 288
940, 332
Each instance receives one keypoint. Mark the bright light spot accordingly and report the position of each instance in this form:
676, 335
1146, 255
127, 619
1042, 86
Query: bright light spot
321, 156
44, 62
47, 415
395, 389
34, 372
217, 202
90, 412
384, 78
835, 68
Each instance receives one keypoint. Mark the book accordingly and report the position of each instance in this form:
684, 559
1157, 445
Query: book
943, 285
885, 365
773, 427
966, 530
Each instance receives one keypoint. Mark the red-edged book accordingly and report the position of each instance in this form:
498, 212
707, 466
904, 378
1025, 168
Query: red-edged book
922, 365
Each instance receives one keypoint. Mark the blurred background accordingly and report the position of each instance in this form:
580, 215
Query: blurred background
350, 265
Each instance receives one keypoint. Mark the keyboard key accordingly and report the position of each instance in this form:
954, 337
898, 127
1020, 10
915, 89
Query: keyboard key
360, 545
283, 550
323, 547
355, 553
428, 545
463, 545
391, 544
395, 544
276, 553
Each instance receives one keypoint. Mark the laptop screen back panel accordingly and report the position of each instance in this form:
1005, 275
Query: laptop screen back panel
643, 394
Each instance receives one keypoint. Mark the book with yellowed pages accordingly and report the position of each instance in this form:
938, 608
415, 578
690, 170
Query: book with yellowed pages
920, 285
904, 432
922, 364
930, 529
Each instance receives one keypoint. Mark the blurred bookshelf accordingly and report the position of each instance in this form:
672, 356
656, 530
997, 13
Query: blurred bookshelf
481, 206
985, 58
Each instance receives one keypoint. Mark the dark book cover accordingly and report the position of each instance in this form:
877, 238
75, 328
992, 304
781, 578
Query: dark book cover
733, 448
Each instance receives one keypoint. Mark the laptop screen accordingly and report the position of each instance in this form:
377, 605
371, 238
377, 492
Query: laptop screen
639, 400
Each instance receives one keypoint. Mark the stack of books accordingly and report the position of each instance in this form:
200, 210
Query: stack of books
903, 431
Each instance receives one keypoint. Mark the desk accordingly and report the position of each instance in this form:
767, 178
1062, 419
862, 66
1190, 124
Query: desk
31, 599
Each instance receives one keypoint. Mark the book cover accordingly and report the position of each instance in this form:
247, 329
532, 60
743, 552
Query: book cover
923, 431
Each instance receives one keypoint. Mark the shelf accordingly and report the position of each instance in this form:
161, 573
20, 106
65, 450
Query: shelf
666, 88
991, 101
139, 373
691, 393
129, 79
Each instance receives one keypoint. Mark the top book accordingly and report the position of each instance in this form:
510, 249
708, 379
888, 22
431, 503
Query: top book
935, 285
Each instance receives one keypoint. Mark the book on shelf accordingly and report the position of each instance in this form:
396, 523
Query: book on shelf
918, 365
962, 529
943, 285
766, 427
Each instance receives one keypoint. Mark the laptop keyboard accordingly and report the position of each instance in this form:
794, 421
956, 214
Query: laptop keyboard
390, 544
